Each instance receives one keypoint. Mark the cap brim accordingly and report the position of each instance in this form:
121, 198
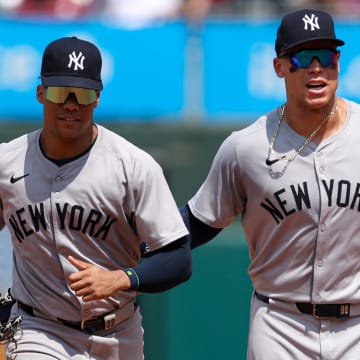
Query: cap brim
337, 42
72, 81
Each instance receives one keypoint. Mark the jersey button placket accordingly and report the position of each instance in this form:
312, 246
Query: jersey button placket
61, 249
319, 261
58, 179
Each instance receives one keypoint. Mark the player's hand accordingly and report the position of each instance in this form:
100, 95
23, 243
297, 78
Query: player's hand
94, 283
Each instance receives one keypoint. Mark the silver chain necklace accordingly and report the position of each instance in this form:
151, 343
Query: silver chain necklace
269, 163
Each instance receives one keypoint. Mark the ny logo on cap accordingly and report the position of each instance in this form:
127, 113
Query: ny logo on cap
311, 21
76, 60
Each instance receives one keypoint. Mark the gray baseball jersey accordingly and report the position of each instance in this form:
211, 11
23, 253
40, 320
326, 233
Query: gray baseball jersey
97, 208
302, 228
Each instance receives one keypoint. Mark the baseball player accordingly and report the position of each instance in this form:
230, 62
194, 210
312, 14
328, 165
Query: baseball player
78, 201
293, 177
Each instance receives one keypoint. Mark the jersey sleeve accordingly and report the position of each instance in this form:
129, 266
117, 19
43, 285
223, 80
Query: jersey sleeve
219, 199
157, 218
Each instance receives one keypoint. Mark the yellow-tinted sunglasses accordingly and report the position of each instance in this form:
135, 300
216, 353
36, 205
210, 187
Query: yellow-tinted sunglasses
59, 94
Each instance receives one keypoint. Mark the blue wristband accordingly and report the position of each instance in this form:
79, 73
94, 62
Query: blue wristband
134, 279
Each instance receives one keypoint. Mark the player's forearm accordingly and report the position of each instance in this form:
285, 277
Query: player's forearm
163, 270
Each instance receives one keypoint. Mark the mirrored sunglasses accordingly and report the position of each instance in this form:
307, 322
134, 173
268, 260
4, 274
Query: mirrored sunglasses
302, 59
59, 94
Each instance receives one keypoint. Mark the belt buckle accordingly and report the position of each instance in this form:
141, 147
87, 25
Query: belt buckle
89, 326
314, 313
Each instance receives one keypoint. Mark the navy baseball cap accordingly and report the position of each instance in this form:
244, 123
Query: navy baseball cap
303, 26
70, 61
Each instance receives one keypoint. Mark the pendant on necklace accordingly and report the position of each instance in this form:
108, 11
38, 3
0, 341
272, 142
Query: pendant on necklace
269, 163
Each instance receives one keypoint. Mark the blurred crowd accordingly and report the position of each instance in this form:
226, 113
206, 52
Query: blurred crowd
144, 11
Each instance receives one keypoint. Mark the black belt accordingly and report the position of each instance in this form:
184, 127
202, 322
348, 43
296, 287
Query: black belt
88, 326
318, 311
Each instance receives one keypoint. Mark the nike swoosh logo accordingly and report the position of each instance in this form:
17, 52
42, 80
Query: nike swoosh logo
14, 179
269, 162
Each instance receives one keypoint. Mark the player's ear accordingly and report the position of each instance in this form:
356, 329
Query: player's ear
278, 67
40, 93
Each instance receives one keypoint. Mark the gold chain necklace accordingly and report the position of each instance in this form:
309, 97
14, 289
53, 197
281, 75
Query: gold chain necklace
269, 163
